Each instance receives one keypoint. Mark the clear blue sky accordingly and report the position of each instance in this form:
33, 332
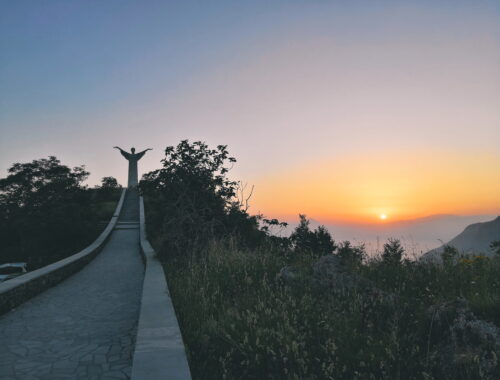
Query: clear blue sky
286, 84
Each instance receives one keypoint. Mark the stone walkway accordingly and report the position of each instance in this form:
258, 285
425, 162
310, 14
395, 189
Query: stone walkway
83, 328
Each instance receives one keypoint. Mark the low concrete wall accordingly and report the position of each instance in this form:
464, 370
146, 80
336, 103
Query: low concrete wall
19, 289
159, 349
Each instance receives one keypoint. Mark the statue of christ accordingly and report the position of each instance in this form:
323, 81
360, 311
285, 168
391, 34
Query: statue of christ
132, 164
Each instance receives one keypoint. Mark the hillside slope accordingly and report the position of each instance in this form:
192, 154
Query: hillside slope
476, 238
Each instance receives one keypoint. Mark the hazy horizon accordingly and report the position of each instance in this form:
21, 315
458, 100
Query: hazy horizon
417, 236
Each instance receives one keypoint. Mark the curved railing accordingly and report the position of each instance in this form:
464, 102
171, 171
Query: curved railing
19, 289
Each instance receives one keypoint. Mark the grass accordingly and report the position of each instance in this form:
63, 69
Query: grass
241, 321
475, 279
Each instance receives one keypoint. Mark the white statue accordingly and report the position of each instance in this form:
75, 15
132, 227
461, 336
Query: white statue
132, 164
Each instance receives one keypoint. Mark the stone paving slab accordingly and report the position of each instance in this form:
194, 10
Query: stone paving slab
85, 327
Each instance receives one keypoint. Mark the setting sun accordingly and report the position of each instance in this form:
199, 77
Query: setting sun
383, 216
362, 188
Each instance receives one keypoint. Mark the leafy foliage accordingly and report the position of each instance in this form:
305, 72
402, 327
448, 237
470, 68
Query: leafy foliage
109, 183
495, 246
393, 252
449, 254
31, 185
191, 200
317, 243
45, 212
109, 188
352, 256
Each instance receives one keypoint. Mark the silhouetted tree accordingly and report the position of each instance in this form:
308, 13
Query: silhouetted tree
318, 242
44, 209
351, 256
109, 183
190, 200
108, 189
393, 252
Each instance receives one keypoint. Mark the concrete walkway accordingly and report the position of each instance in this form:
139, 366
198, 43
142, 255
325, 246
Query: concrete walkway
85, 327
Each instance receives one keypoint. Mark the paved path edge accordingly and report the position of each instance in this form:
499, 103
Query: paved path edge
159, 348
20, 289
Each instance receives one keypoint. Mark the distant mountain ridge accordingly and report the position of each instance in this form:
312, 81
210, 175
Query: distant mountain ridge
475, 238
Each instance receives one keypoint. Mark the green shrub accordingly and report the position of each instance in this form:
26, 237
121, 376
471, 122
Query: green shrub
316, 242
352, 256
393, 252
449, 254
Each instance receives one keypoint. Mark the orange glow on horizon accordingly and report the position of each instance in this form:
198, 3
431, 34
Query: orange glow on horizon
400, 184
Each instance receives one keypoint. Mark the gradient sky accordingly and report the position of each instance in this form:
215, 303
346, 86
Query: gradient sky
341, 110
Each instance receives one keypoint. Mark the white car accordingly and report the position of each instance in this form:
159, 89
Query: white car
10, 270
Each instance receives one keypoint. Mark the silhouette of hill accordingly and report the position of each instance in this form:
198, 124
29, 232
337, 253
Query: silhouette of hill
475, 238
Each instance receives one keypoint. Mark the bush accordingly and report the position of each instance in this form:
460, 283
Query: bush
37, 200
316, 243
449, 254
191, 201
393, 252
46, 213
351, 256
495, 246
109, 189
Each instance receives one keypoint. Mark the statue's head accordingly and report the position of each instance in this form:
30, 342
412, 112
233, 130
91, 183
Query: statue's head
132, 150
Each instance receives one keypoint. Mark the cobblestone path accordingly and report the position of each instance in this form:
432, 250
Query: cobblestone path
83, 328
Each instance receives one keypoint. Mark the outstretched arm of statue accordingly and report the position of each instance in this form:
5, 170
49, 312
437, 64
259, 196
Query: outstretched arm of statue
124, 154
140, 154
